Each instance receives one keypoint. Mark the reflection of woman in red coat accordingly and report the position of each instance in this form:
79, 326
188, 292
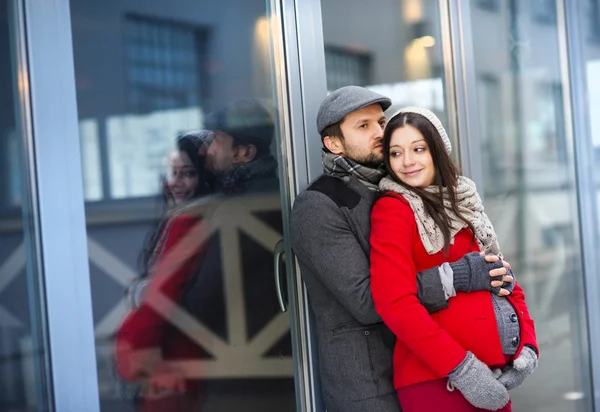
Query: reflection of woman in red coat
147, 341
465, 357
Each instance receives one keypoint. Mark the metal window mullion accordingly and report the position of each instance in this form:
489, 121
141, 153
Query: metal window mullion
284, 65
460, 83
312, 78
577, 114
307, 87
61, 205
104, 148
30, 222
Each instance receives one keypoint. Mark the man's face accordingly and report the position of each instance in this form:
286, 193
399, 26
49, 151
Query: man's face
363, 135
221, 154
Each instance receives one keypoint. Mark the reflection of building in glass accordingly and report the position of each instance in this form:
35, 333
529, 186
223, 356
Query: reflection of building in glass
136, 146
403, 60
593, 78
347, 67
122, 154
493, 135
544, 11
14, 177
428, 93
164, 61
552, 143
491, 5
592, 14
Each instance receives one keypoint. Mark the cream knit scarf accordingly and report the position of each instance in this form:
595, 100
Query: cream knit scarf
469, 204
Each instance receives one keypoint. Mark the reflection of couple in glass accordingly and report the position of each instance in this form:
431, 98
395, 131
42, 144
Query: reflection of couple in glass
179, 263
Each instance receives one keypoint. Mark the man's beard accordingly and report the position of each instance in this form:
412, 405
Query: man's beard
372, 161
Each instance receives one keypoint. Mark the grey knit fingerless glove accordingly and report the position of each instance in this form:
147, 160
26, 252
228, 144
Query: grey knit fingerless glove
477, 384
472, 273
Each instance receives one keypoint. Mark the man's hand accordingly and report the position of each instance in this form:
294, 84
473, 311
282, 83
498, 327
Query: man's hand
507, 284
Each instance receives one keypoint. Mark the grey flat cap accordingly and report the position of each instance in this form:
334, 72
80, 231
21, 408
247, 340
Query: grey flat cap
346, 100
246, 119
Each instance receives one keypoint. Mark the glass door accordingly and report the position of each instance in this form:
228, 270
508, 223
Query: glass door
403, 58
24, 360
184, 145
523, 128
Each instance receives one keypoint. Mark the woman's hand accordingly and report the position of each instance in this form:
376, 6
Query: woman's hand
507, 283
164, 381
478, 384
514, 376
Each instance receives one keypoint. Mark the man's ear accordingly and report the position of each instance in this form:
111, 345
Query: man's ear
244, 153
334, 144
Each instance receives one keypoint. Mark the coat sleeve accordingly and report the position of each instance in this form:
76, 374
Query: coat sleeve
394, 286
324, 243
528, 336
143, 327
326, 246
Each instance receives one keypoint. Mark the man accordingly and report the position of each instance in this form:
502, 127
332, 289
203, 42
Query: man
330, 228
237, 153
239, 156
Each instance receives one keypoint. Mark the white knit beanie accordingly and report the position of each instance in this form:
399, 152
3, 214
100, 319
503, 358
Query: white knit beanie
433, 119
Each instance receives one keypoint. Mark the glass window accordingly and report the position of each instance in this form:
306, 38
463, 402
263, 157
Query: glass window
23, 349
180, 138
590, 19
529, 188
543, 11
167, 51
164, 90
491, 5
346, 67
592, 65
491, 138
592, 16
593, 77
402, 61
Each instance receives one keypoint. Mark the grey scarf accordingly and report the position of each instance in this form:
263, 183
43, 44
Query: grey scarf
343, 167
469, 204
235, 179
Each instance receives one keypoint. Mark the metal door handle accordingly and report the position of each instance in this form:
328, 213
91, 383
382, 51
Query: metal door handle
279, 256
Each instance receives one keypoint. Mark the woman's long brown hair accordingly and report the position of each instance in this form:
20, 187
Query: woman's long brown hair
446, 172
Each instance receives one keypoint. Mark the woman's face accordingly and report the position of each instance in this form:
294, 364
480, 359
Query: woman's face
410, 157
183, 178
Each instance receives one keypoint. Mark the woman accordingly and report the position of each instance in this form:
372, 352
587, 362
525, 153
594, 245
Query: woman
428, 215
187, 179
147, 340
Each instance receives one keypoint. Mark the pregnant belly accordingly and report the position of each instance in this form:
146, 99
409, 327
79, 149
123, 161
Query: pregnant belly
470, 320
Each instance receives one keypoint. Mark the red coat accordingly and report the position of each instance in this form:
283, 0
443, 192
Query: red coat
430, 346
149, 328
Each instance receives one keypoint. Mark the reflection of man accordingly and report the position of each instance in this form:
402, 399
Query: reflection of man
240, 152
330, 228
240, 158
